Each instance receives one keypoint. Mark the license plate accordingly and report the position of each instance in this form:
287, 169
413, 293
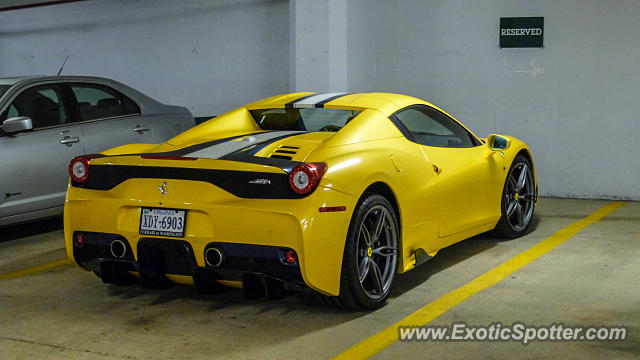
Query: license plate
162, 222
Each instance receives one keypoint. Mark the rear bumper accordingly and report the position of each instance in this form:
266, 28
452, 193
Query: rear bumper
253, 233
157, 257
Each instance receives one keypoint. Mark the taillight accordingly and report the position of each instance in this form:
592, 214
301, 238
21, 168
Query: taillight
304, 178
79, 167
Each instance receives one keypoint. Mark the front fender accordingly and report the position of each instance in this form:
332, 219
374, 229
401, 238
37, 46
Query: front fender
518, 146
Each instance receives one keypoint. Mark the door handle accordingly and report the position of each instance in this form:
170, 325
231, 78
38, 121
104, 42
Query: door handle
141, 129
436, 169
68, 140
8, 195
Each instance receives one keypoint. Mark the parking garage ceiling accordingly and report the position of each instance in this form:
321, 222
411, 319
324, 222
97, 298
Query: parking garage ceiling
7, 5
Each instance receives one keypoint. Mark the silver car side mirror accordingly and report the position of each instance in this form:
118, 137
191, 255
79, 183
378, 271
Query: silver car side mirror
17, 124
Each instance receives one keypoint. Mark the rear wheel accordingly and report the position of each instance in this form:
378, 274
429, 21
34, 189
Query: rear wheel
370, 257
518, 200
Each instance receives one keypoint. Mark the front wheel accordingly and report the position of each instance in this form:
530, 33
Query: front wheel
370, 257
518, 200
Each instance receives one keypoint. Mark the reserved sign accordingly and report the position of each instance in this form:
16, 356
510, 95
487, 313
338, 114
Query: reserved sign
521, 32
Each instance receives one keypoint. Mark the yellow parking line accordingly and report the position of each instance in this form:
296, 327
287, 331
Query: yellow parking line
426, 314
35, 269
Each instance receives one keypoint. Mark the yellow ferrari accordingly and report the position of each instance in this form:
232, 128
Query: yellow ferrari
331, 192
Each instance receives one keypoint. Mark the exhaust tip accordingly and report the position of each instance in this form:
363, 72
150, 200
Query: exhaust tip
118, 249
213, 257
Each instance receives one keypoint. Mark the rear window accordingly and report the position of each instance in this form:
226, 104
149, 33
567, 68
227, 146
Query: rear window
96, 101
305, 119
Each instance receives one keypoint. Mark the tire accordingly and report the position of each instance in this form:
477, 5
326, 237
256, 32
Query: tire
370, 262
518, 200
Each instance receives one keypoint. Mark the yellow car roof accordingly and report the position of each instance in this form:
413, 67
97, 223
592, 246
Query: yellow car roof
386, 103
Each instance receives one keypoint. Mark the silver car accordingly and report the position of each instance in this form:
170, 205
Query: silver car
48, 120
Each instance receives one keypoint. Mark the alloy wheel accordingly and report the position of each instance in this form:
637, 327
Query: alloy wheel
520, 196
377, 252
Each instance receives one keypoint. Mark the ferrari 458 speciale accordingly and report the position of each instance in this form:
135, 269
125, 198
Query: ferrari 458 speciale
331, 192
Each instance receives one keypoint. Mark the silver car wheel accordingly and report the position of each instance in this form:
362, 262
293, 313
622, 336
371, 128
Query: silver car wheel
520, 196
377, 252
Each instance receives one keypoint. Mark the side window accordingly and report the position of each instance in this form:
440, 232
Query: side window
12, 112
99, 101
430, 127
43, 104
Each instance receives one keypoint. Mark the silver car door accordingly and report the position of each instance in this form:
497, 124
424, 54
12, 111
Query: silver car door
33, 165
108, 117
173, 122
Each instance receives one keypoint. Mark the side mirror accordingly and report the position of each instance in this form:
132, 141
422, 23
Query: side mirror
498, 143
17, 124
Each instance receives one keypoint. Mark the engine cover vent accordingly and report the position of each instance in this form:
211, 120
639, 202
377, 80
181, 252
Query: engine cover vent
285, 152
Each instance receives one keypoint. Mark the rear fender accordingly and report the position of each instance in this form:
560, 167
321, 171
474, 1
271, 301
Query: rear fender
130, 149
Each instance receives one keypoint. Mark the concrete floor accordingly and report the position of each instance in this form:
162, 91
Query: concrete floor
591, 279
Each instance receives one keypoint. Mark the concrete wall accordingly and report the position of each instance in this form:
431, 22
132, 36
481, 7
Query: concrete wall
575, 101
318, 44
210, 56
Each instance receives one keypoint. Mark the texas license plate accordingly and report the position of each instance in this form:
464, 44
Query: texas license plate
162, 222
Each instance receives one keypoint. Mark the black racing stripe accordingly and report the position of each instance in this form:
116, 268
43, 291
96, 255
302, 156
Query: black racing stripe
321, 103
247, 155
189, 149
261, 144
243, 184
242, 155
197, 147
284, 164
290, 104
